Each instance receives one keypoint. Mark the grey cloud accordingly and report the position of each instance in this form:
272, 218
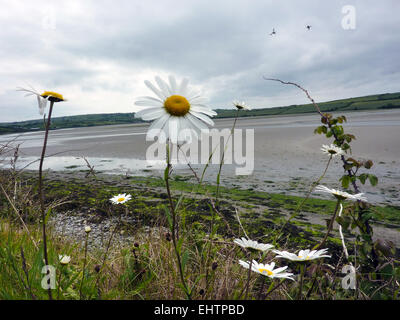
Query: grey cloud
223, 45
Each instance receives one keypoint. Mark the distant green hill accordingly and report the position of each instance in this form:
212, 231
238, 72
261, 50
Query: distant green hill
372, 102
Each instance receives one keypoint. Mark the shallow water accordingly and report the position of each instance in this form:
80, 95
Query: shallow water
287, 155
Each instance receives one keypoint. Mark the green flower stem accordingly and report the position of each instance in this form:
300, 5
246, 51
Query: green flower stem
59, 282
262, 287
250, 257
302, 271
330, 226
223, 157
271, 289
84, 266
173, 227
41, 195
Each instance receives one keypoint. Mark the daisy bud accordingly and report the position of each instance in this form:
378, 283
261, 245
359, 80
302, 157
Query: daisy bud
88, 229
64, 260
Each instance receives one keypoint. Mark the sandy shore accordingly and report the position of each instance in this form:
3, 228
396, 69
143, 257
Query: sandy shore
286, 157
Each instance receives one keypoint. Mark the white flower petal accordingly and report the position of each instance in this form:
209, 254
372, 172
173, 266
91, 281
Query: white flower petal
203, 110
182, 90
202, 117
196, 122
140, 113
157, 126
153, 115
163, 85
173, 84
148, 103
159, 94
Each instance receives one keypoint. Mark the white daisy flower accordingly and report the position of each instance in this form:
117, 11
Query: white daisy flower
241, 105
43, 98
303, 255
341, 195
246, 243
88, 229
177, 111
267, 269
121, 198
64, 259
332, 150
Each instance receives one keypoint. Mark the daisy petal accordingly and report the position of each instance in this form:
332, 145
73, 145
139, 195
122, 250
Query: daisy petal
202, 117
159, 94
173, 85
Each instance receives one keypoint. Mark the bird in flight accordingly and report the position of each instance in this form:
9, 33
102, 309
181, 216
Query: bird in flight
308, 27
273, 32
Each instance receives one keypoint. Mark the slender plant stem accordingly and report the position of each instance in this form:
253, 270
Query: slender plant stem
105, 256
330, 226
59, 283
84, 266
248, 279
173, 227
270, 289
314, 184
223, 157
313, 283
302, 269
342, 236
41, 196
262, 287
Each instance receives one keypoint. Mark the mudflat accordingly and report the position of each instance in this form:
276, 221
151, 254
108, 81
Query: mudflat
287, 156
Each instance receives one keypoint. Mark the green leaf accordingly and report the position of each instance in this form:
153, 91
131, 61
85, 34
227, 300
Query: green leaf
321, 129
363, 177
344, 222
185, 257
47, 216
368, 164
169, 218
366, 216
345, 181
373, 180
179, 202
179, 245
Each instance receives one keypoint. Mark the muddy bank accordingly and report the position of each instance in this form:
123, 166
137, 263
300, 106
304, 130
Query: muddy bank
87, 203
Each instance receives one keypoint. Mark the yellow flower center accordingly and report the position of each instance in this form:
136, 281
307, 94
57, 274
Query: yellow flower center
177, 105
54, 96
266, 270
120, 199
306, 258
339, 196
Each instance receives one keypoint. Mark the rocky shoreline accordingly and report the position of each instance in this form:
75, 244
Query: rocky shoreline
87, 203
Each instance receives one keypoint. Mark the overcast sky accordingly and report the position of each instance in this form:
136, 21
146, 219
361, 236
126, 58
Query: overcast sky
98, 53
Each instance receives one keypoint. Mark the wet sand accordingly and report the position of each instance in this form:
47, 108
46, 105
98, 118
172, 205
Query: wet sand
287, 153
